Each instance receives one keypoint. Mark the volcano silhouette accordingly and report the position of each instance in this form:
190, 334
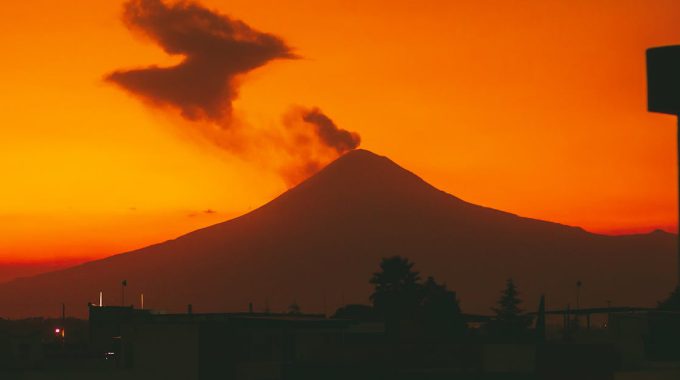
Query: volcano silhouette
318, 244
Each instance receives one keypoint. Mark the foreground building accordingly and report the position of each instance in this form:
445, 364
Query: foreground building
128, 343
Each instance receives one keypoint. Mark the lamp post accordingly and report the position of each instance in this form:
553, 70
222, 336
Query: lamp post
663, 92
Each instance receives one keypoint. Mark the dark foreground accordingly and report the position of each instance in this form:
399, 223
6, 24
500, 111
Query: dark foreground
127, 343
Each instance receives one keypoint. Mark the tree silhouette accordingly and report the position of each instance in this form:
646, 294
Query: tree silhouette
441, 314
672, 302
397, 291
509, 322
509, 302
400, 296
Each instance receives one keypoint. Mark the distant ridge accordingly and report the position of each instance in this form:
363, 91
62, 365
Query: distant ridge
319, 243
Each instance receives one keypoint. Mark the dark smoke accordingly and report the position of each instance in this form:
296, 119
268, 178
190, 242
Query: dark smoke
339, 139
311, 140
216, 50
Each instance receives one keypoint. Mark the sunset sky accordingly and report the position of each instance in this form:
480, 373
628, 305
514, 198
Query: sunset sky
533, 107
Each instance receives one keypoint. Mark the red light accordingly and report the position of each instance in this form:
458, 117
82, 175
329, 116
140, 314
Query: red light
57, 330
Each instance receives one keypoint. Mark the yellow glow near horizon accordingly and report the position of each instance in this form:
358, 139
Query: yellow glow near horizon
533, 107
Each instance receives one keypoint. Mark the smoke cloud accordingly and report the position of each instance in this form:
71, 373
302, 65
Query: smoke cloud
310, 140
216, 50
217, 53
329, 133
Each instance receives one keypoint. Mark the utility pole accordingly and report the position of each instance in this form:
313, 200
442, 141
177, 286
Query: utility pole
123, 284
63, 324
578, 302
663, 93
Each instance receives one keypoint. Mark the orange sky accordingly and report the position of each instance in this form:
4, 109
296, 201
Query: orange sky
533, 107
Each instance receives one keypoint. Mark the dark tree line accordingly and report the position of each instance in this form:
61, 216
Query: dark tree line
401, 296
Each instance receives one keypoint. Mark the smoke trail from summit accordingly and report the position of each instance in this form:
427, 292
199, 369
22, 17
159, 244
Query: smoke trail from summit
311, 140
218, 52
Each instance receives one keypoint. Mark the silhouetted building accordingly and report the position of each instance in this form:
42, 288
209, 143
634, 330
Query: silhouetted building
646, 339
129, 343
20, 348
226, 345
105, 326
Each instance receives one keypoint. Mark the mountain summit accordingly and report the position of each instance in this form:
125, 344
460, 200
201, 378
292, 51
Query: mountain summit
318, 244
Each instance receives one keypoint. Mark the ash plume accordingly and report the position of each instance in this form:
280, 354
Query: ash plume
218, 52
329, 133
310, 140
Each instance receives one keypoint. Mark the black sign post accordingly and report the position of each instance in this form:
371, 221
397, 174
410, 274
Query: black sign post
663, 93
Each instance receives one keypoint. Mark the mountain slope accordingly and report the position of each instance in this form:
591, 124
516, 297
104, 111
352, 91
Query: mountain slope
319, 242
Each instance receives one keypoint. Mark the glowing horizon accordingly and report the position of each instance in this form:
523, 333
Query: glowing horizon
537, 110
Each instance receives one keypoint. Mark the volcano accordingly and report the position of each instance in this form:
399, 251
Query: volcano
318, 244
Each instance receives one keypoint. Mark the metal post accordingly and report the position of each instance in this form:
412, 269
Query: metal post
567, 319
577, 318
609, 312
123, 284
63, 324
